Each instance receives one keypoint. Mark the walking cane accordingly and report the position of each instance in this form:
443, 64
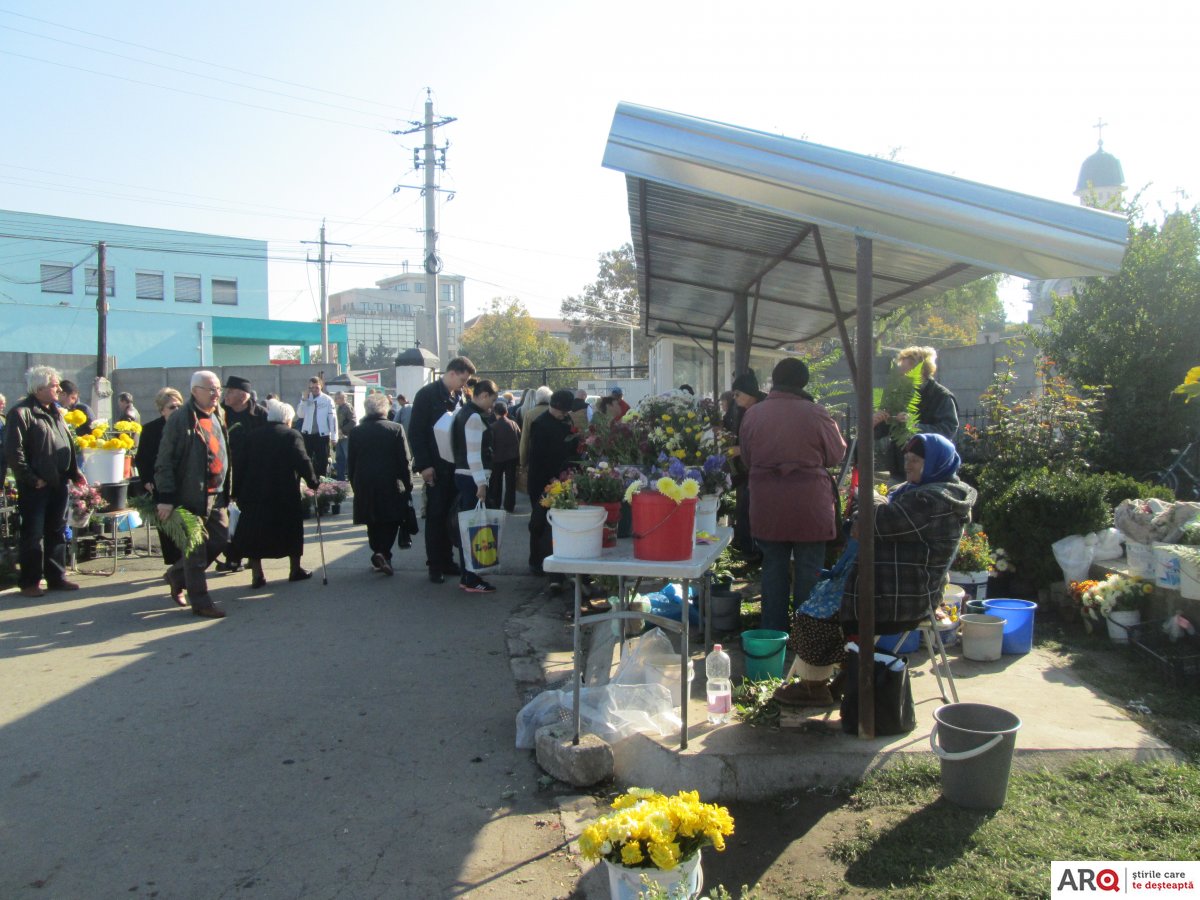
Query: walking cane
321, 544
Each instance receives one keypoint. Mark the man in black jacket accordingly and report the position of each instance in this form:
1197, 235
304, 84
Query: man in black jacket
429, 404
39, 450
242, 415
551, 449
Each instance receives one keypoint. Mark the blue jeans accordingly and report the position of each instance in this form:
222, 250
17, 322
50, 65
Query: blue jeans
781, 592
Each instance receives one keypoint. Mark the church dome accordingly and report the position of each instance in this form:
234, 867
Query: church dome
1100, 170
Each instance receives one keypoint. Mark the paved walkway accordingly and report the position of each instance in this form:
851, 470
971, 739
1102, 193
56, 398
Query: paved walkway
356, 739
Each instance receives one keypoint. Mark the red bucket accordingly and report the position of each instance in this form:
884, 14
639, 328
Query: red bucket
663, 530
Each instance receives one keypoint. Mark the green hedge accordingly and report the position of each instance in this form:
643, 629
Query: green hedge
1040, 507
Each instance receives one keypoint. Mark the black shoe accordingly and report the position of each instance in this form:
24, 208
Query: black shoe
229, 566
208, 612
381, 564
536, 570
405, 545
450, 569
477, 586
556, 585
299, 575
258, 582
436, 576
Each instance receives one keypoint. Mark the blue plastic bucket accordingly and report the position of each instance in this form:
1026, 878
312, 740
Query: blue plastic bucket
764, 651
887, 643
1018, 623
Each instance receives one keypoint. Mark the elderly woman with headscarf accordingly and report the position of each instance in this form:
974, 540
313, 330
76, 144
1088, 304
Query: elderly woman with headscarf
917, 530
271, 461
788, 442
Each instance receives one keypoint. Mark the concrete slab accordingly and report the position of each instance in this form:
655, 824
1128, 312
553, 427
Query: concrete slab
1061, 719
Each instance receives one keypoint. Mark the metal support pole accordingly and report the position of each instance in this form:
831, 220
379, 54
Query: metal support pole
431, 257
741, 334
101, 313
864, 265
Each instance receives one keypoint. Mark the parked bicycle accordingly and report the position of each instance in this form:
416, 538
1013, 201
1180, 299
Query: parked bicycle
1182, 481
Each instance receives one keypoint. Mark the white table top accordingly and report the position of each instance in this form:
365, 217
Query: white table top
619, 560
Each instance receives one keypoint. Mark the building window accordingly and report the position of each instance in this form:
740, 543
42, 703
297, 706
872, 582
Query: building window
187, 288
447, 293
224, 291
57, 279
149, 285
90, 285
419, 287
402, 286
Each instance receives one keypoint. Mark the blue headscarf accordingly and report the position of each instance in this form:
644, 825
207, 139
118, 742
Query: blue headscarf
941, 461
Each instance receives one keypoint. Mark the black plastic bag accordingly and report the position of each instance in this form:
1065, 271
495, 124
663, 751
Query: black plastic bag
894, 712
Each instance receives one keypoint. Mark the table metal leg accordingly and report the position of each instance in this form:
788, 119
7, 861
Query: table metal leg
684, 694
577, 673
706, 610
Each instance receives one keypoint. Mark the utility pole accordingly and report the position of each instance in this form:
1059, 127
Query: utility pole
428, 156
324, 294
101, 313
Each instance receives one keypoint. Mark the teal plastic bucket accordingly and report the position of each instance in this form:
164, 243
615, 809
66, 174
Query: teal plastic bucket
976, 607
1018, 623
764, 651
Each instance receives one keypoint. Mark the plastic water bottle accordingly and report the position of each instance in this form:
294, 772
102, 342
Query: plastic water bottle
718, 687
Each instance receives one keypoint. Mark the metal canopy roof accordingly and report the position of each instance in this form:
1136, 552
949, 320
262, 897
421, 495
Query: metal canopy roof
717, 211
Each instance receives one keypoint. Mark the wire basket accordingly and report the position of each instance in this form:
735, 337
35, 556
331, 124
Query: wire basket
1178, 663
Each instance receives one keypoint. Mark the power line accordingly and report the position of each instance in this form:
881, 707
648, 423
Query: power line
237, 84
205, 62
177, 90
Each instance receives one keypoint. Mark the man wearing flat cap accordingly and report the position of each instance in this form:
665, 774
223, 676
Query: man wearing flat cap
551, 447
242, 415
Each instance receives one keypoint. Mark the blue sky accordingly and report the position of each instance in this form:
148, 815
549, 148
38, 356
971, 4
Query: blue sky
259, 119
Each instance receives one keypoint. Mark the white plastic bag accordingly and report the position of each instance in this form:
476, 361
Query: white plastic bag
443, 436
479, 530
234, 514
1074, 556
1108, 545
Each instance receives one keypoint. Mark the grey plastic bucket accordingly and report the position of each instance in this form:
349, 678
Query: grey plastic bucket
975, 744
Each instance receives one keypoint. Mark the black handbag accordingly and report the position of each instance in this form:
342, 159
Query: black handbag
410, 517
894, 712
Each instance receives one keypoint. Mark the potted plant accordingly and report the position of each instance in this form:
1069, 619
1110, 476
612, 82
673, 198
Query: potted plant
577, 531
602, 485
1118, 600
330, 494
83, 500
972, 564
714, 479
107, 451
664, 513
656, 837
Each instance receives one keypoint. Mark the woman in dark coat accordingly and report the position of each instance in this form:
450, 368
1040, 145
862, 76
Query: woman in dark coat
377, 463
270, 462
167, 400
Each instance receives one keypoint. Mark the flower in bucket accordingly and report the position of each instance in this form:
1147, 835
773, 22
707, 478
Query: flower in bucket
648, 830
84, 500
103, 436
673, 482
560, 494
1115, 593
974, 552
600, 483
713, 475
332, 490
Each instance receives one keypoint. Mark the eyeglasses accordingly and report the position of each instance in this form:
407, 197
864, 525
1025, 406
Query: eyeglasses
201, 387
173, 406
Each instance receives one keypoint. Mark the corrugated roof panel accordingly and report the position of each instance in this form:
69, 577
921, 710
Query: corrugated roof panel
716, 209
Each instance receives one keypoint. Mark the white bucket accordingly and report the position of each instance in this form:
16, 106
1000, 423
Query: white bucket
104, 466
1189, 578
1166, 565
578, 533
706, 514
982, 637
1139, 559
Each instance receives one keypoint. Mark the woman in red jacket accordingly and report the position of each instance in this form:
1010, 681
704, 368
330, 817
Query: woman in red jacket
788, 442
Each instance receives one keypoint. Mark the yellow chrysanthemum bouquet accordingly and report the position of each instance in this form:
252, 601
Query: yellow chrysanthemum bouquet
648, 830
674, 482
560, 493
103, 436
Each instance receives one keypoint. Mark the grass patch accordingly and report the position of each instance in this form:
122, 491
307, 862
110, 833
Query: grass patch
913, 843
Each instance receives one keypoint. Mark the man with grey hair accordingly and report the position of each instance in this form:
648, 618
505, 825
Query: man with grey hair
192, 472
39, 448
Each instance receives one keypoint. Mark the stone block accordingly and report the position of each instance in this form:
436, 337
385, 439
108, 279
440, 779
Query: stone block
588, 763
